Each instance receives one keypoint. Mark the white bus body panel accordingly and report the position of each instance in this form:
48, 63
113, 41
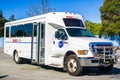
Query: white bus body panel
52, 22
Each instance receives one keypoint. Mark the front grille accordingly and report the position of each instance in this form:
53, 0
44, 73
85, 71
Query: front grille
103, 53
101, 50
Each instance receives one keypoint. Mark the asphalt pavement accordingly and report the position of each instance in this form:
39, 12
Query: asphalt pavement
9, 70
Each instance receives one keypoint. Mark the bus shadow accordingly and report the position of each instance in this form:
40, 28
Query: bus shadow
86, 71
4, 76
53, 68
28, 61
96, 72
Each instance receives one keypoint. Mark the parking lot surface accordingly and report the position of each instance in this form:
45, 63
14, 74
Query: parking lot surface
11, 71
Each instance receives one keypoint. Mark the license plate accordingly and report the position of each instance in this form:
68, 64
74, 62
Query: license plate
107, 62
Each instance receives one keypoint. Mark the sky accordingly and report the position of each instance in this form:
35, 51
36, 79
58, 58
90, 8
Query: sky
87, 8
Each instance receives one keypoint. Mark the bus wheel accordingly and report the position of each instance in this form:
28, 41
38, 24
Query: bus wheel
73, 66
105, 69
17, 59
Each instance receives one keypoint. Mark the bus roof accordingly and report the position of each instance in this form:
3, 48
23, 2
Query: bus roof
52, 17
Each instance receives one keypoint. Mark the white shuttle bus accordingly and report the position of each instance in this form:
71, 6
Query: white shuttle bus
58, 39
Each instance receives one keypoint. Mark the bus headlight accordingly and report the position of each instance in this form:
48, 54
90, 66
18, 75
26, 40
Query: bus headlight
82, 52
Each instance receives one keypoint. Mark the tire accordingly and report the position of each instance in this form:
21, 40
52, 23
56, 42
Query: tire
17, 59
106, 69
73, 66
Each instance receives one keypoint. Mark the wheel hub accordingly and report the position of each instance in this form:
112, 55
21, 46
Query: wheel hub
16, 57
72, 65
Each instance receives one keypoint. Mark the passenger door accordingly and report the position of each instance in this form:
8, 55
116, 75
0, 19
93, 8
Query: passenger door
38, 43
60, 43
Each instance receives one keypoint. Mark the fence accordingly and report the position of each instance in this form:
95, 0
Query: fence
1, 42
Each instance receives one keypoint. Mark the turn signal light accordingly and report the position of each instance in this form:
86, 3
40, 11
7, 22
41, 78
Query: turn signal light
82, 52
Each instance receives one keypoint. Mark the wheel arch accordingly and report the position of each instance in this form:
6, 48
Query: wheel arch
65, 57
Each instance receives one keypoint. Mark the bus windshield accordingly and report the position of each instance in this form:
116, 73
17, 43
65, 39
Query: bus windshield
78, 32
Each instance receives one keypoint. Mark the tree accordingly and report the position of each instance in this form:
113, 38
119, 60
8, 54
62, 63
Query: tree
12, 18
95, 28
2, 22
40, 8
110, 16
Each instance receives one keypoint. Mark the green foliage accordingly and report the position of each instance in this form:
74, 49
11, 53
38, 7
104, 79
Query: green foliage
95, 28
110, 16
2, 21
12, 18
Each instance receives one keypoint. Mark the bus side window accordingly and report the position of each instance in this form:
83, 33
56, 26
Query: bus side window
13, 31
20, 31
28, 30
7, 32
35, 30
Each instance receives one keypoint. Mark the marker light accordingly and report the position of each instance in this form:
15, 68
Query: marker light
68, 16
82, 52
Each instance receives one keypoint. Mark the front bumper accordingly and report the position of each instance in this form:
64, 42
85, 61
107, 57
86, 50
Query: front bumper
95, 62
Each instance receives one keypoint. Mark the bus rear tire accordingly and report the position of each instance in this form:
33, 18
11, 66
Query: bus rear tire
73, 66
17, 59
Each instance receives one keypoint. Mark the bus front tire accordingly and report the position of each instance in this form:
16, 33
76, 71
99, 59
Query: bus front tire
17, 59
73, 66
